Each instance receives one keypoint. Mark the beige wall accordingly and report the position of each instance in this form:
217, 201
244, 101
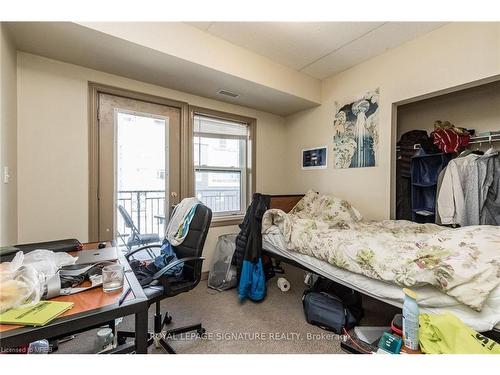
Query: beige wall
449, 56
8, 139
53, 146
475, 108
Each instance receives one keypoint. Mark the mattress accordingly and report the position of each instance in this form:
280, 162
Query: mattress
430, 299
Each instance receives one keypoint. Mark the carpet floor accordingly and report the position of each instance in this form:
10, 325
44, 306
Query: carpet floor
275, 325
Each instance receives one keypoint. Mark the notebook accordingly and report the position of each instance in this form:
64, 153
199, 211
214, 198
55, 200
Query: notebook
36, 315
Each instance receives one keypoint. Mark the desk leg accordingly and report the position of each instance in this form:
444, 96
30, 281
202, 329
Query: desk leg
141, 332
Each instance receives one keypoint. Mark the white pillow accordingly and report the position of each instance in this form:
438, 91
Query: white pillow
326, 208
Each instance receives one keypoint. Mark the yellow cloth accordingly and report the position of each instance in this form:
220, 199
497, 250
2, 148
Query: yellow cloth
446, 334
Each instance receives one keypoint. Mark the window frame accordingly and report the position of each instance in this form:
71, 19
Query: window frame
243, 161
248, 174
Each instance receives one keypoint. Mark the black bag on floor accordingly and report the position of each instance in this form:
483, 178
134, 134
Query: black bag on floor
351, 299
327, 311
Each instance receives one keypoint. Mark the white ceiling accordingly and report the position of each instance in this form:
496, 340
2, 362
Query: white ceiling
319, 49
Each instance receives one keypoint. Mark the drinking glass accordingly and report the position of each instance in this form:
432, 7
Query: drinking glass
112, 278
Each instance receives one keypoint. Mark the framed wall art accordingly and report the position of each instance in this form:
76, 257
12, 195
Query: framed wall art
315, 158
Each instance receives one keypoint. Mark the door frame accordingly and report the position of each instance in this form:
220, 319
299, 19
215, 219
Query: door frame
186, 158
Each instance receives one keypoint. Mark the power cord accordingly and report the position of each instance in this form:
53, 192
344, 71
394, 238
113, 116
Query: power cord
71, 281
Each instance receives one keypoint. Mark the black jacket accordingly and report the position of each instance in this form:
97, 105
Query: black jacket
249, 240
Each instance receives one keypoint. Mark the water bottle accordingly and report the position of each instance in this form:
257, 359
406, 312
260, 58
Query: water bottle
410, 320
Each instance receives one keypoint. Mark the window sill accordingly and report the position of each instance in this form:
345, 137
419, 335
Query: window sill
222, 221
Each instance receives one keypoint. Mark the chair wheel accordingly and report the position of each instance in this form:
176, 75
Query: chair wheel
201, 331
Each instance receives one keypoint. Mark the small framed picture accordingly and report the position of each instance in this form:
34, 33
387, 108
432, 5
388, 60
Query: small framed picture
315, 158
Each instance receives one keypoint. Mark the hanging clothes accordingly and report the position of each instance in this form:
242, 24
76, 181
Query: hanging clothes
490, 211
403, 195
469, 193
252, 278
476, 187
260, 203
438, 187
451, 196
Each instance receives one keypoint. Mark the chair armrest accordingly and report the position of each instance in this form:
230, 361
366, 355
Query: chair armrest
132, 252
158, 274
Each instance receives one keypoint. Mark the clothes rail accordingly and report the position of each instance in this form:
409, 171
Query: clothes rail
493, 137
487, 138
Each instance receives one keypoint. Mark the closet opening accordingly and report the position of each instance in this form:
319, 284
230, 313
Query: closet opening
433, 130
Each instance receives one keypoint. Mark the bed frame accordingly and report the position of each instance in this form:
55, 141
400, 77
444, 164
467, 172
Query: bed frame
286, 203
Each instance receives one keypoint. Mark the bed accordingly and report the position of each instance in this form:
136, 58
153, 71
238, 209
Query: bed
430, 299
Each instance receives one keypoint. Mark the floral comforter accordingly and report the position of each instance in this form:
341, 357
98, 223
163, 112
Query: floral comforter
463, 263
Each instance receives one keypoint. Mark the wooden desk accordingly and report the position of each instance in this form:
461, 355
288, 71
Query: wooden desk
92, 308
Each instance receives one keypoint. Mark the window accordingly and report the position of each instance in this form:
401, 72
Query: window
222, 161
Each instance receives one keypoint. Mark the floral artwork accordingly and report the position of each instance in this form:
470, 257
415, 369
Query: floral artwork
355, 127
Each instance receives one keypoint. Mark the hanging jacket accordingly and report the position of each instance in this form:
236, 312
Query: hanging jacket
247, 258
242, 239
490, 213
451, 195
438, 188
477, 185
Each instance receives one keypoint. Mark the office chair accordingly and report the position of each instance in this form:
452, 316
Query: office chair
189, 252
136, 238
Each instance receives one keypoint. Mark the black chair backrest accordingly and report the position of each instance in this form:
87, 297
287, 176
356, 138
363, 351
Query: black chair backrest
193, 244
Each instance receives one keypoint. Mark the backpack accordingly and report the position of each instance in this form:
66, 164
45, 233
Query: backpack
327, 312
351, 299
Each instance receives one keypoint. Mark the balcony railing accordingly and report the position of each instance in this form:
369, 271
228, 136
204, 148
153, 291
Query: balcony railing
147, 207
220, 200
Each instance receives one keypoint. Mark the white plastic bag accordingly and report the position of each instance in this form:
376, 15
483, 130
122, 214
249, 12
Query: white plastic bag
46, 262
223, 274
20, 284
23, 279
